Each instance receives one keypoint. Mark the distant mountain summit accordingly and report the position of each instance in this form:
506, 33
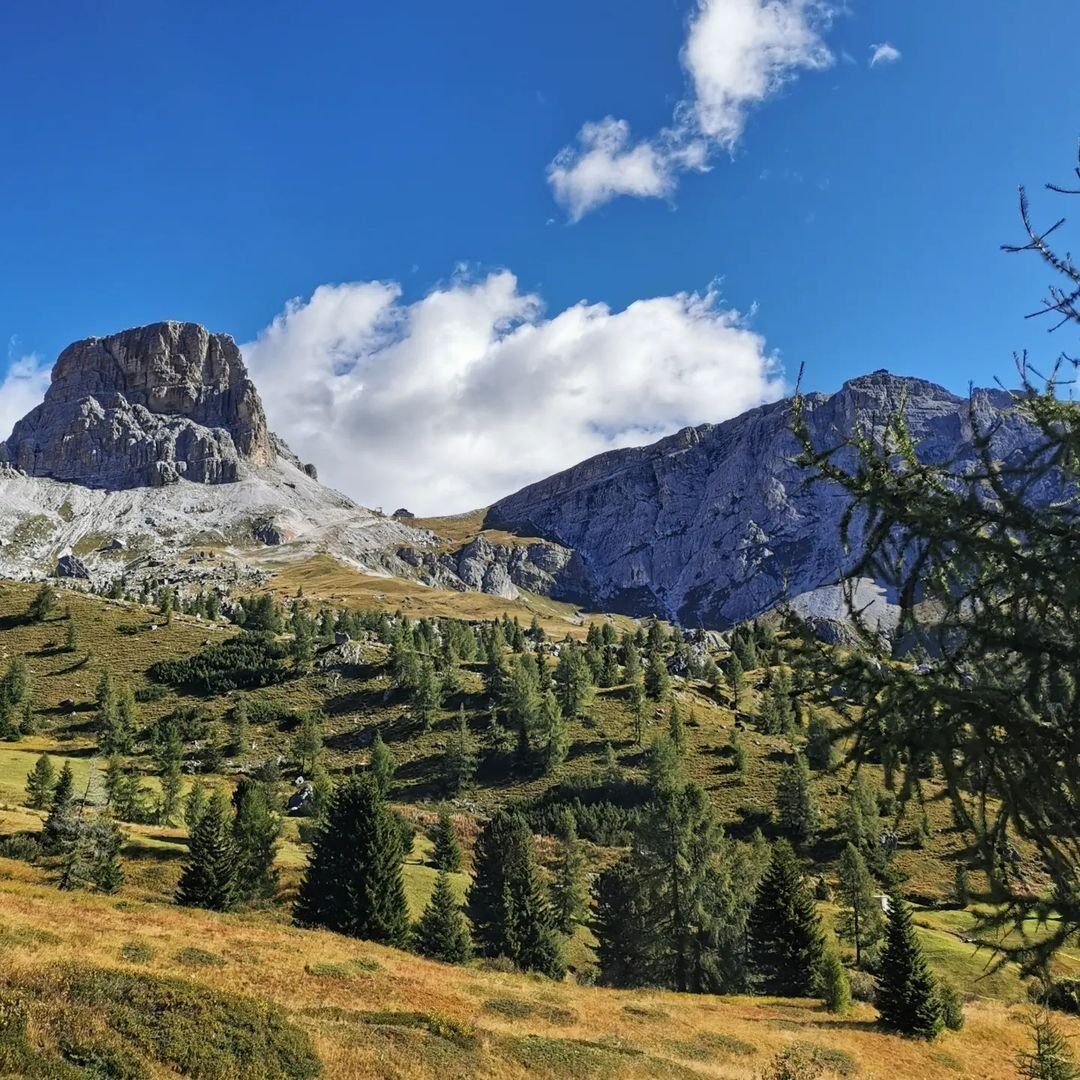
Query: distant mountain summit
145, 408
716, 524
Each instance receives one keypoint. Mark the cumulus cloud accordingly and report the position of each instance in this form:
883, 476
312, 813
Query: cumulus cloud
883, 54
22, 387
446, 403
737, 54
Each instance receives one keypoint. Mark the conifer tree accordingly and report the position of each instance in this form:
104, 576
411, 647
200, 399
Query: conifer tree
71, 637
736, 678
637, 706
209, 877
860, 920
819, 743
739, 755
785, 930
799, 817
353, 883
573, 681
256, 829
906, 998
835, 985
171, 784
569, 890
631, 660
459, 758
382, 766
657, 678
442, 933
194, 805
240, 728
1049, 1057
61, 824
555, 738
427, 694
307, 743
447, 850
777, 713
507, 904
40, 783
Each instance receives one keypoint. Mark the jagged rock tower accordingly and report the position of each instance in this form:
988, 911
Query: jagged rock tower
145, 408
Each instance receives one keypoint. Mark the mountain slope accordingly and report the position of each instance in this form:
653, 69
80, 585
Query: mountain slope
716, 524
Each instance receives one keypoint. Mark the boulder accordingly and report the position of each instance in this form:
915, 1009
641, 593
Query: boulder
70, 566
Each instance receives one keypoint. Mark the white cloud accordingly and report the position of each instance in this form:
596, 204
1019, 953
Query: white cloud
23, 386
884, 54
449, 402
737, 54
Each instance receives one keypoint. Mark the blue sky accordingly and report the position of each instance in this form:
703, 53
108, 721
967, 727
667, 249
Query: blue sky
211, 161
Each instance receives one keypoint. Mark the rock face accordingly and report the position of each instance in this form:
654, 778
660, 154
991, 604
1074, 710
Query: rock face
144, 408
715, 524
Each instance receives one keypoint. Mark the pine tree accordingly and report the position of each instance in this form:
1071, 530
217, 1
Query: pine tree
353, 883
569, 890
657, 678
61, 825
447, 850
860, 920
819, 743
209, 877
307, 743
507, 904
382, 766
40, 783
785, 930
573, 682
1050, 1057
442, 933
194, 805
835, 985
459, 758
555, 738
906, 998
799, 817
256, 829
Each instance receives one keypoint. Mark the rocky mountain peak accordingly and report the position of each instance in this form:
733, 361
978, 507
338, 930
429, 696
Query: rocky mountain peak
143, 408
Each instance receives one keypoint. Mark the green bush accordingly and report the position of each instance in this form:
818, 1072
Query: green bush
242, 663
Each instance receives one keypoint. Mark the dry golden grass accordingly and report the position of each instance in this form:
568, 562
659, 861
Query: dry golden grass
473, 1023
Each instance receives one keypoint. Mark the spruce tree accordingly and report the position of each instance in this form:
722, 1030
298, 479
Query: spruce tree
459, 758
860, 920
61, 825
799, 817
382, 766
209, 877
1049, 1057
256, 829
353, 883
447, 850
442, 933
194, 805
507, 903
40, 783
906, 998
785, 931
819, 743
569, 890
657, 678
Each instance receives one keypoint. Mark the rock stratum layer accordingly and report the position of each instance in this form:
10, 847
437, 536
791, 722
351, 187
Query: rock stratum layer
145, 408
716, 524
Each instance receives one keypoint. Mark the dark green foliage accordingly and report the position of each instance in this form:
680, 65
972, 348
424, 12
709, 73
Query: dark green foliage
40, 783
256, 827
353, 883
42, 606
673, 912
61, 825
573, 681
245, 662
819, 743
861, 920
307, 742
209, 877
569, 890
92, 855
785, 930
950, 1005
441, 933
777, 713
507, 903
907, 1000
798, 813
447, 851
835, 986
381, 766
657, 678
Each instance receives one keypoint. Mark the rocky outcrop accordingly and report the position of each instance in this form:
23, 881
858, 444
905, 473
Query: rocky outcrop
145, 408
716, 524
